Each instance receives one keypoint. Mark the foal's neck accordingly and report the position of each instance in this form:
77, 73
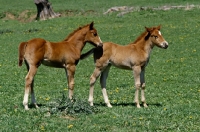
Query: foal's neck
78, 39
143, 44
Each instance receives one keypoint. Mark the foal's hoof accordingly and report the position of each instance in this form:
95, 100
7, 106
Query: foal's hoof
109, 105
145, 105
36, 106
137, 105
91, 104
26, 108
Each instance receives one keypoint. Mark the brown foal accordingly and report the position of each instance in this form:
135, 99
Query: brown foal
64, 54
134, 56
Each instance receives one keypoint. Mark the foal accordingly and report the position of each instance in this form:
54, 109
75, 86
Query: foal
64, 54
134, 56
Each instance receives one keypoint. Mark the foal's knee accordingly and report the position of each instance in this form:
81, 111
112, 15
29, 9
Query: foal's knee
92, 80
28, 80
71, 85
137, 86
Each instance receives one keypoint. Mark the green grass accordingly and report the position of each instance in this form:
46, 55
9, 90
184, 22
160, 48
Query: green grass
172, 76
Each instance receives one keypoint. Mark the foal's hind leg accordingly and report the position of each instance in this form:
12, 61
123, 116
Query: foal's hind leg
93, 79
103, 78
29, 86
33, 100
70, 71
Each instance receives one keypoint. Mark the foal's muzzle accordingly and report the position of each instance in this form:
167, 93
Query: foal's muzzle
100, 44
164, 45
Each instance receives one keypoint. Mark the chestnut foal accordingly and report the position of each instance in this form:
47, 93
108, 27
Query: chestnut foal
134, 56
64, 54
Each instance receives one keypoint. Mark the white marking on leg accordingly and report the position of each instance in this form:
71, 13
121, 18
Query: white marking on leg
25, 101
90, 100
92, 81
106, 97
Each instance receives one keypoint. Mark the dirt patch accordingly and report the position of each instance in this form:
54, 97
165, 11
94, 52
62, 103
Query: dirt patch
25, 16
125, 9
28, 15
9, 16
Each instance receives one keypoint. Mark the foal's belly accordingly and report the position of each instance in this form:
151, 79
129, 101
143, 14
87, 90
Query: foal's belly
50, 63
125, 67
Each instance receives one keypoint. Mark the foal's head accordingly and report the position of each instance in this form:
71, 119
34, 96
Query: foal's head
92, 36
156, 37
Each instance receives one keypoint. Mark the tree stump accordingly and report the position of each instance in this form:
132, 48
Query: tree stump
45, 10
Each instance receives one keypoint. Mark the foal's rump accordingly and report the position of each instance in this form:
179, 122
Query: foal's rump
32, 50
21, 52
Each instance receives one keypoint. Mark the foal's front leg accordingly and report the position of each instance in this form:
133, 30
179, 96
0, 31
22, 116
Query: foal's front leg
142, 80
70, 71
136, 72
93, 79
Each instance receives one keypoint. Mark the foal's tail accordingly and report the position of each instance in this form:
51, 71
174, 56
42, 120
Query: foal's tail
22, 47
87, 54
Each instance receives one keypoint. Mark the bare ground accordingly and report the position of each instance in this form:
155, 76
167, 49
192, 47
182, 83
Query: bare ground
28, 15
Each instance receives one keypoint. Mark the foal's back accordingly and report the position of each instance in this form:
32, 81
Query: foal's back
123, 57
50, 53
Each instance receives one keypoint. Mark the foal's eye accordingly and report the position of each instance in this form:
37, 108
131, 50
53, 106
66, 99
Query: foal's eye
95, 34
156, 37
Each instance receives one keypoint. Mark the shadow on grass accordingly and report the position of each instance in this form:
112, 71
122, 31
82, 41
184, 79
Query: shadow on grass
101, 104
32, 106
128, 104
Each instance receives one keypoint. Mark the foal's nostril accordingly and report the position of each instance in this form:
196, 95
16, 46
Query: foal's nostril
165, 45
100, 45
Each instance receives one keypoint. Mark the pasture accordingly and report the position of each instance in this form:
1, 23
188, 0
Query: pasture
172, 75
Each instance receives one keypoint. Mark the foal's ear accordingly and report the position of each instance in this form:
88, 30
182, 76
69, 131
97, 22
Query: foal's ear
159, 27
148, 29
91, 25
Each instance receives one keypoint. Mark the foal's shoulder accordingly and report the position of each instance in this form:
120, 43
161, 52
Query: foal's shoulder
110, 43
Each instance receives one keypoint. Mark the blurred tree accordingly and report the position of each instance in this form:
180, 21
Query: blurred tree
45, 10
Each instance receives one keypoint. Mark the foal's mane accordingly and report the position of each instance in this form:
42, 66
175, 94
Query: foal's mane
72, 33
143, 35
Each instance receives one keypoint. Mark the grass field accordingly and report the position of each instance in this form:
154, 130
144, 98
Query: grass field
172, 76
